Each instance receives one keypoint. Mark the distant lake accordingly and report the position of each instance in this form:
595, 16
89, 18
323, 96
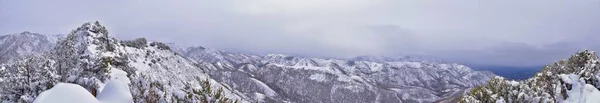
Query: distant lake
511, 73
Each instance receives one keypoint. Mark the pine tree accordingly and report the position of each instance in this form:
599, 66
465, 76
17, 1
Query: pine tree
30, 77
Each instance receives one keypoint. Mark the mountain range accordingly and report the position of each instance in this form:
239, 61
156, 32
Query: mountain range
26, 43
159, 72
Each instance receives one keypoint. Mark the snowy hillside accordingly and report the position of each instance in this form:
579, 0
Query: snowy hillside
17, 46
90, 58
281, 78
574, 80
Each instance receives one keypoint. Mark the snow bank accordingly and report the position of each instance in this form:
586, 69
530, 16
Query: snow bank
580, 92
116, 74
115, 91
66, 93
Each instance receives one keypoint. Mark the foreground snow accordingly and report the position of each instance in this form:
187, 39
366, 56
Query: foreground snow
114, 92
581, 92
66, 93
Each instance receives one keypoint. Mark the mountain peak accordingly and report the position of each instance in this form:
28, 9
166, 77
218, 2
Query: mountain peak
26, 32
95, 28
92, 34
199, 47
277, 56
18, 45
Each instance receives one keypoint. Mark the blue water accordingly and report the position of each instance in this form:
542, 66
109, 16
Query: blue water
512, 73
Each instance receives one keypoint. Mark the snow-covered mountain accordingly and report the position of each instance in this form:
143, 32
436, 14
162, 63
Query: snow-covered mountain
157, 72
90, 58
574, 80
17, 46
365, 79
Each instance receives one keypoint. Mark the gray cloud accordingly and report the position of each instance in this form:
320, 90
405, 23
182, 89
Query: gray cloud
508, 32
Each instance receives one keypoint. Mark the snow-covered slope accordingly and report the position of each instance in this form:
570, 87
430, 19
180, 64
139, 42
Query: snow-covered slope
116, 91
153, 67
284, 78
89, 57
17, 46
574, 80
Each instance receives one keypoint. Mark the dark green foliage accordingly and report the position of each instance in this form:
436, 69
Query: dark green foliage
289, 58
153, 61
160, 45
98, 28
137, 43
204, 94
110, 48
351, 62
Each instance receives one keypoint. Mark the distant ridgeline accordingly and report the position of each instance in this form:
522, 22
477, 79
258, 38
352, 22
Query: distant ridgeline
574, 80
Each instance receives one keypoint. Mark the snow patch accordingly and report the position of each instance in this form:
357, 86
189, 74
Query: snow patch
354, 88
259, 96
513, 83
344, 79
357, 78
2, 68
268, 91
318, 77
180, 94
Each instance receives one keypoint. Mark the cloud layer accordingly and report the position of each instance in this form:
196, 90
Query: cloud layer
507, 32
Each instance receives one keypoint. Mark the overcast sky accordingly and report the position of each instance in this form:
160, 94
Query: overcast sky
486, 32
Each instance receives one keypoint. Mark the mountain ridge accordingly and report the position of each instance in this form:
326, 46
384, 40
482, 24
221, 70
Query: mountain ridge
323, 69
161, 72
15, 46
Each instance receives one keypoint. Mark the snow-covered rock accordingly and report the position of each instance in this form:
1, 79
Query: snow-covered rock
66, 93
115, 91
89, 57
580, 92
